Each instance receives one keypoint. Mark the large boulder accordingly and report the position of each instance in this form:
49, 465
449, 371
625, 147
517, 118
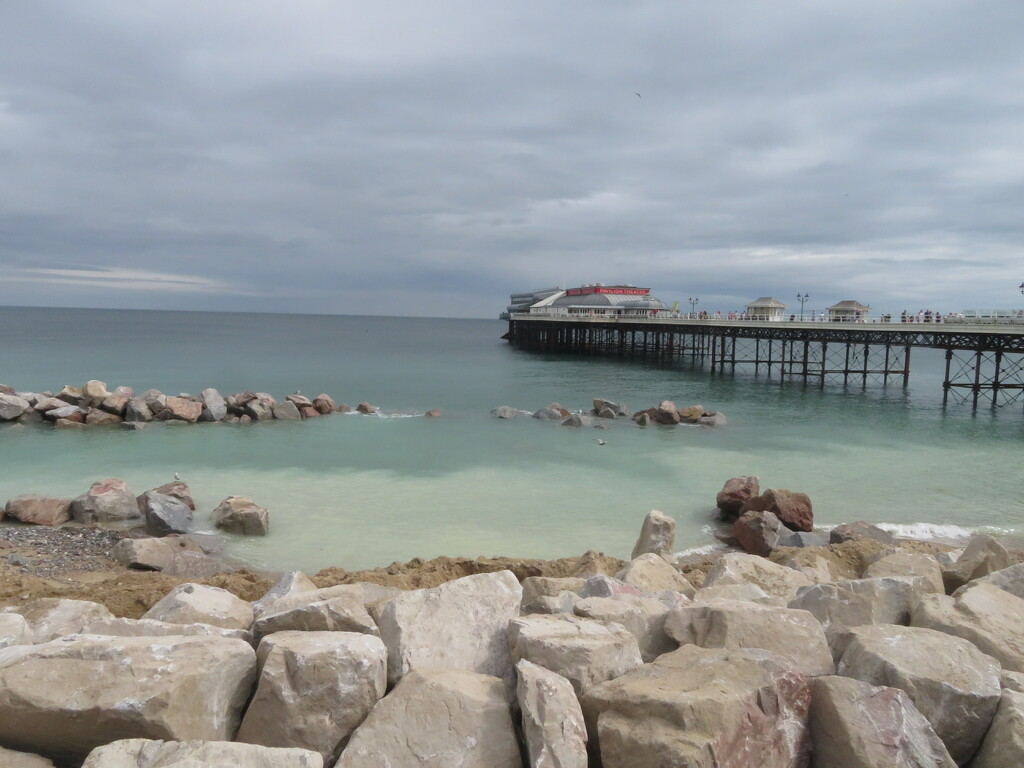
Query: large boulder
792, 508
165, 514
1008, 579
858, 725
115, 404
39, 510
737, 568
182, 409
584, 651
199, 603
462, 624
549, 586
858, 531
437, 718
953, 684
909, 565
644, 617
324, 404
701, 708
237, 514
107, 501
177, 488
286, 411
52, 617
982, 556
553, 726
1004, 743
657, 535
793, 636
843, 604
214, 407
11, 759
289, 583
153, 753
95, 392
63, 698
14, 630
260, 408
12, 406
985, 615
652, 573
152, 554
735, 493
761, 532
138, 410
339, 608
314, 689
122, 627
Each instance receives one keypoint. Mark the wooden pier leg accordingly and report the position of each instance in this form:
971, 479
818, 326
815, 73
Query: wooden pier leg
945, 381
807, 348
867, 356
906, 369
885, 367
995, 378
846, 365
824, 360
977, 378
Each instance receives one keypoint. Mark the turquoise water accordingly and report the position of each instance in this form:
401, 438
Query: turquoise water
362, 491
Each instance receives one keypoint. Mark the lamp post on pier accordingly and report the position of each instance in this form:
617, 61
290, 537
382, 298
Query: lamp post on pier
803, 300
1022, 287
693, 304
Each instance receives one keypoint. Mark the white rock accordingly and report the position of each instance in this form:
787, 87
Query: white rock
549, 586
14, 630
121, 627
338, 609
982, 555
748, 592
11, 759
1004, 743
657, 535
290, 583
202, 604
644, 617
145, 753
908, 565
652, 573
1009, 579
856, 602
53, 617
553, 726
776, 580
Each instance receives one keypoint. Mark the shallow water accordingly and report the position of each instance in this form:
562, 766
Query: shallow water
361, 491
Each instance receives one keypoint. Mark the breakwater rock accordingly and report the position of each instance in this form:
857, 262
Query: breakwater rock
755, 662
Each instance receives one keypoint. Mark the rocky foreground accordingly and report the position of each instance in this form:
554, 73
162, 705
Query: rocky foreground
862, 652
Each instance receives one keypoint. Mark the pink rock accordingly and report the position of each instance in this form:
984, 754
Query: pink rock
793, 509
181, 409
736, 492
324, 403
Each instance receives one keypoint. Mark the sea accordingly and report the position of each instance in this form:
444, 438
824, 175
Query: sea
363, 491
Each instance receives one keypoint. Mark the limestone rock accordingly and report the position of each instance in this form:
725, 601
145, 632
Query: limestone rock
12, 759
115, 404
584, 651
14, 630
736, 568
12, 406
794, 636
199, 603
667, 413
553, 726
577, 420
985, 615
259, 409
70, 394
1004, 743
67, 413
860, 530
182, 409
657, 535
701, 708
286, 411
651, 573
324, 404
53, 617
644, 617
563, 602
857, 725
214, 407
101, 419
338, 608
39, 510
290, 583
953, 684
366, 408
552, 412
176, 488
461, 624
237, 514
504, 412
153, 753
106, 501
165, 514
857, 602
63, 698
601, 585
816, 566
314, 689
1008, 579
735, 493
95, 392
137, 410
549, 586
747, 592
907, 565
151, 554
982, 555
121, 627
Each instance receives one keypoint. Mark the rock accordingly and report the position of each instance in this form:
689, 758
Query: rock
101, 419
953, 684
51, 617
237, 514
195, 565
857, 725
984, 615
300, 401
1013, 681
605, 586
761, 532
290, 583
563, 602
701, 708
176, 488
736, 492
71, 395
815, 566
14, 630
691, 414
150, 554
658, 535
342, 408
366, 408
461, 624
165, 514
982, 555
314, 689
181, 409
309, 412
666, 413
236, 403
548, 586
46, 404
64, 698
713, 419
201, 604
1004, 743
259, 409
39, 510
553, 726
1008, 579
794, 636
437, 718
72, 423
618, 409
745, 592
584, 651
793, 509
577, 420
12, 406
153, 753
67, 413
121, 627
844, 604
651, 573
376, 593
907, 565
11, 759
286, 411
644, 617
859, 530
115, 404
106, 501
137, 411
214, 407
642, 419
324, 404
553, 412
774, 579
338, 609
95, 392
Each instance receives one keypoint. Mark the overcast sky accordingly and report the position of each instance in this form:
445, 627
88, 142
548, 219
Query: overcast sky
429, 158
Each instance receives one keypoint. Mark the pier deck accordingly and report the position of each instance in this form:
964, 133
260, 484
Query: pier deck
984, 362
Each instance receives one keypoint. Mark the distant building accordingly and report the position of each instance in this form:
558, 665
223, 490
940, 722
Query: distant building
848, 311
596, 299
521, 302
766, 308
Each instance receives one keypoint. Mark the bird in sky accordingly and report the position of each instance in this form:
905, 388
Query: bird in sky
637, 94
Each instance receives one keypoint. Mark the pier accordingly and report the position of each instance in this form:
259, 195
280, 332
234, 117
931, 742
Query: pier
984, 363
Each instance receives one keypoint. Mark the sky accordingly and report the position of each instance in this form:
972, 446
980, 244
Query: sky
430, 158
